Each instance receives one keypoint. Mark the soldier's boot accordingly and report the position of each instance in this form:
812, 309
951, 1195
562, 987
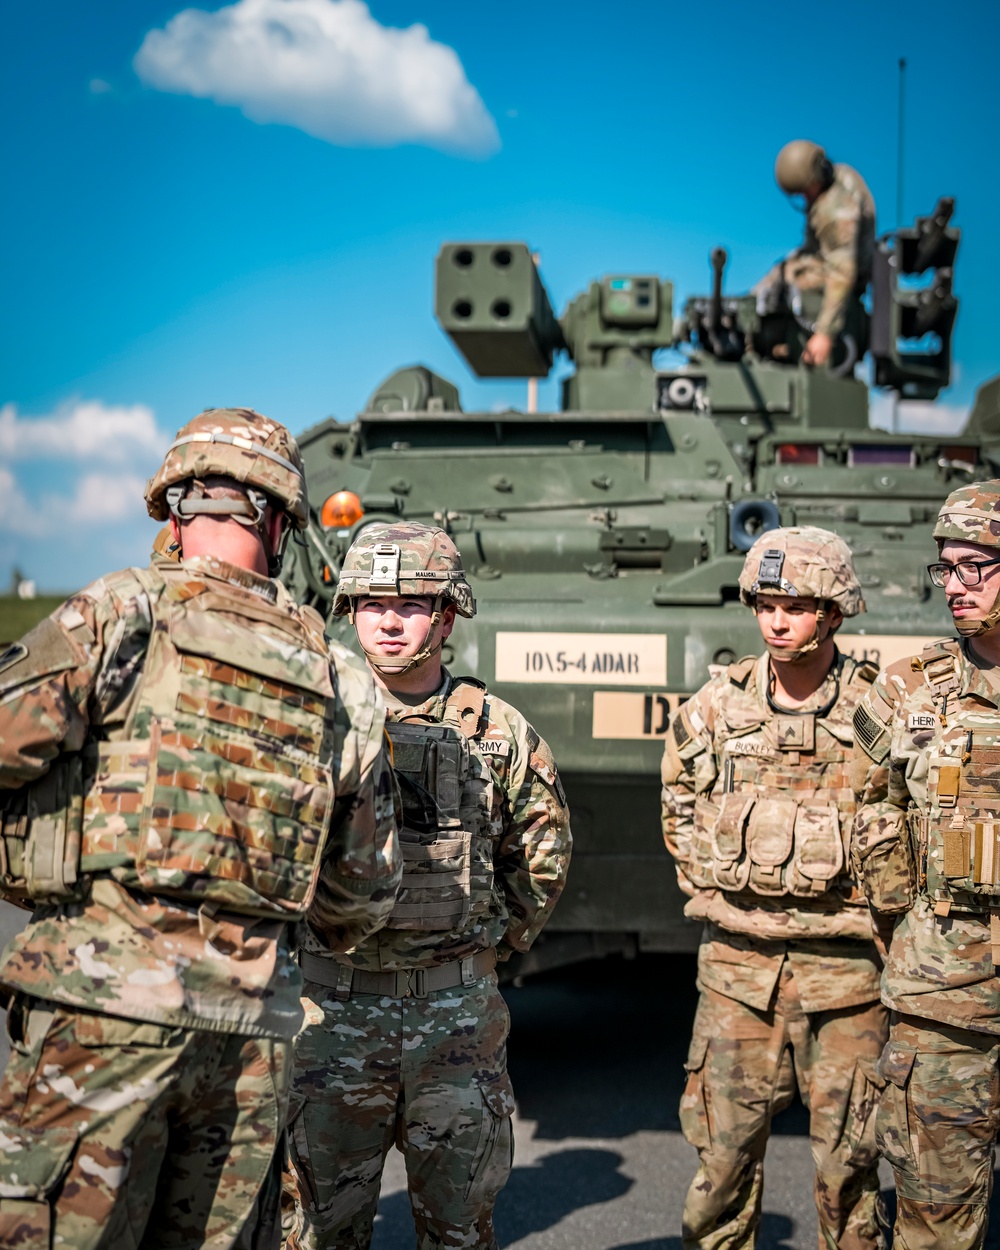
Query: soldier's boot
722, 1208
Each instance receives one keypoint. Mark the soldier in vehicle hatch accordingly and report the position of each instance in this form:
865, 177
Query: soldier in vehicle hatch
757, 807
836, 254
927, 850
185, 764
407, 1043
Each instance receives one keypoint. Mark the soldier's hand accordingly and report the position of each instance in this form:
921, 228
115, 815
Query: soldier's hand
818, 349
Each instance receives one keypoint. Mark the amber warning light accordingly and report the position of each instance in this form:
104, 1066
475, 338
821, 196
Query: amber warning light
341, 510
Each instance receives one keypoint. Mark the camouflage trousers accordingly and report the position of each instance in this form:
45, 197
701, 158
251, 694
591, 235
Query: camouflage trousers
937, 1124
742, 1069
117, 1134
428, 1075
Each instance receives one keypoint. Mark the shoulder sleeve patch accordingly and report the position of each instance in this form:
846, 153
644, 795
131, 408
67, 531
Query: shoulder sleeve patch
870, 734
16, 651
46, 649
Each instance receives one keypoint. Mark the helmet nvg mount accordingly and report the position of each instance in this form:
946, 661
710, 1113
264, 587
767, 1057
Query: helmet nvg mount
971, 514
399, 559
241, 444
802, 562
801, 164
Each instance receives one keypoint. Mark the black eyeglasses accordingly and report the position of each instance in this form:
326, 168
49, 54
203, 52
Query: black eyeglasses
969, 572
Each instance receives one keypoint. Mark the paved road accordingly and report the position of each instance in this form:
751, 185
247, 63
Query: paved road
596, 1056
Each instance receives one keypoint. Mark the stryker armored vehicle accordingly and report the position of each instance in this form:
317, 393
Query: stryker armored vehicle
604, 540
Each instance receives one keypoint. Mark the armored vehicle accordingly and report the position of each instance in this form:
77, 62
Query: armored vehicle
604, 540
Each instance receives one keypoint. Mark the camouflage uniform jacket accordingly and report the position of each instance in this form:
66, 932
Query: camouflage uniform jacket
840, 229
748, 935
530, 856
939, 964
128, 952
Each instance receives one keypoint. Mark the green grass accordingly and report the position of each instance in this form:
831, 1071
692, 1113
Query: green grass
17, 616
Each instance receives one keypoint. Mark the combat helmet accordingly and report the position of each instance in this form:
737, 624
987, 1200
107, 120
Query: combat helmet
404, 558
801, 164
971, 514
802, 562
240, 444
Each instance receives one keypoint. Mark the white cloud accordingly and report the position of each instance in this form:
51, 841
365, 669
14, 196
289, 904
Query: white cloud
15, 516
325, 66
82, 430
103, 498
98, 86
106, 450
917, 416
97, 499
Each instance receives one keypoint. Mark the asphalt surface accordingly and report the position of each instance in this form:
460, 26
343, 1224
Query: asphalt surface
596, 1056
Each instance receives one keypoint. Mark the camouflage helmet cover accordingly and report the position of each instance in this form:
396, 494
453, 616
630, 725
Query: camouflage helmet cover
237, 443
971, 514
802, 562
800, 164
403, 558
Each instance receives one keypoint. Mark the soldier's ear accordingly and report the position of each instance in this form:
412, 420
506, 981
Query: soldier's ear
448, 619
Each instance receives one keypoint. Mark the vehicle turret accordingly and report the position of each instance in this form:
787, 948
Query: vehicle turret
604, 539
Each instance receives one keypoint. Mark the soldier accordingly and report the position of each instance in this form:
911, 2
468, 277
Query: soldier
836, 254
408, 1040
756, 810
187, 764
926, 851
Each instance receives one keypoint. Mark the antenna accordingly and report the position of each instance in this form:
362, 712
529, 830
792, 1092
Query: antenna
899, 141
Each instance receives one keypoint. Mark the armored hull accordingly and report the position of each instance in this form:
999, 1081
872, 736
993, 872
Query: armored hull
604, 540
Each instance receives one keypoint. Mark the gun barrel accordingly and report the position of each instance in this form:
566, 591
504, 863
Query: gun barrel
717, 259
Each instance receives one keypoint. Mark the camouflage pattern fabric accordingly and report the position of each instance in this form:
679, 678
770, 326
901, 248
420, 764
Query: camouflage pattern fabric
818, 564
725, 742
124, 950
743, 1067
925, 770
789, 984
428, 1075
116, 1133
530, 860
237, 443
971, 514
157, 1091
939, 964
429, 564
936, 1126
836, 254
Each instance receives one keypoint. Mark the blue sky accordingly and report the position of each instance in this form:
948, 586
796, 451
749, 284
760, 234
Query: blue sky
167, 246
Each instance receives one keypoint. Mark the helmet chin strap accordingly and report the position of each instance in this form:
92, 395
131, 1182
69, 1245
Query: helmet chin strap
972, 629
797, 654
397, 666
